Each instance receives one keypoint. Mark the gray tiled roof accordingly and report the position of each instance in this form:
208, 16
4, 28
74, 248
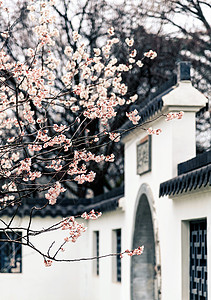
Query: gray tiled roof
152, 104
194, 173
67, 207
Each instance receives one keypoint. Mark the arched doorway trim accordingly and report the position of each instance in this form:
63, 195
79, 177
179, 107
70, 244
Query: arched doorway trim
146, 190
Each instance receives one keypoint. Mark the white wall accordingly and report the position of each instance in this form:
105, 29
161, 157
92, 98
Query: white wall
103, 287
191, 206
66, 280
61, 280
76, 280
175, 144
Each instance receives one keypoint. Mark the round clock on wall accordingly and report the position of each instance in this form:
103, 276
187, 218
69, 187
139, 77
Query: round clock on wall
144, 155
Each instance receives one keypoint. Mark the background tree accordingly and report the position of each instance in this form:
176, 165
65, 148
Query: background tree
187, 23
56, 119
152, 25
65, 99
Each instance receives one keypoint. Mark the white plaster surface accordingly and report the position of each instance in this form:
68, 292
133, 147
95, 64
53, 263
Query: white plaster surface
76, 280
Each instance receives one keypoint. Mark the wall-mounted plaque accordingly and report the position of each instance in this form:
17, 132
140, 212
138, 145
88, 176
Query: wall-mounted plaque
144, 155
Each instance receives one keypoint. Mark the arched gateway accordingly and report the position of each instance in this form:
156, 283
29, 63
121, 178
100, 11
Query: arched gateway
145, 269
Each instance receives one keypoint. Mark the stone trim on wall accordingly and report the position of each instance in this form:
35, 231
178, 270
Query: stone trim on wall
146, 193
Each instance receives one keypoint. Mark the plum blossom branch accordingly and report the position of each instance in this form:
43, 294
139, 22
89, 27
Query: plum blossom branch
39, 153
138, 251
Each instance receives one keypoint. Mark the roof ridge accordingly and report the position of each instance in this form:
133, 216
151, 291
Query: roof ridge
194, 163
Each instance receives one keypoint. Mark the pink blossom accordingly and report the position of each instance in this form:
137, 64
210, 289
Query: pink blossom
34, 147
109, 158
171, 116
82, 178
134, 98
25, 165
139, 63
114, 136
133, 116
75, 229
59, 128
48, 262
54, 192
10, 140
133, 53
92, 215
30, 52
111, 31
154, 131
68, 51
150, 54
129, 42
137, 251
76, 36
97, 51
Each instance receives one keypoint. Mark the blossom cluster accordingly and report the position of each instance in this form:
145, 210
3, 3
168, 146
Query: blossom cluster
48, 262
42, 150
154, 131
45, 35
133, 116
114, 136
11, 187
129, 42
171, 116
150, 54
137, 251
59, 128
25, 165
82, 178
92, 215
75, 229
89, 156
32, 175
34, 147
6, 165
55, 164
54, 192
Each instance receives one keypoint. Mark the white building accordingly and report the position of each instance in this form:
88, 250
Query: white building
166, 206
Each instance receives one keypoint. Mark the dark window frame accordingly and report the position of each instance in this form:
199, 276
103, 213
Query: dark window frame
10, 252
198, 259
96, 252
118, 258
